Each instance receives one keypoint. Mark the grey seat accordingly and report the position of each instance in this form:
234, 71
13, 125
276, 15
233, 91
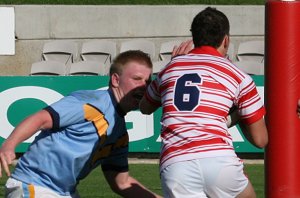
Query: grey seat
102, 51
64, 51
139, 44
251, 51
88, 68
48, 67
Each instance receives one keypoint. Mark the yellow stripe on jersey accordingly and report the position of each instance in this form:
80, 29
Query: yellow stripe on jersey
96, 116
122, 142
106, 151
31, 191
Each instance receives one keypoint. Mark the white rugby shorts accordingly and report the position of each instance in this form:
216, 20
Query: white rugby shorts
17, 189
217, 177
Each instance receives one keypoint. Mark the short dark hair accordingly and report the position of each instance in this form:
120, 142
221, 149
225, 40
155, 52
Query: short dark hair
209, 27
128, 56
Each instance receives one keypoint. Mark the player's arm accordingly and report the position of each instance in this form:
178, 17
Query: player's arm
126, 186
184, 48
256, 133
146, 107
27, 128
233, 117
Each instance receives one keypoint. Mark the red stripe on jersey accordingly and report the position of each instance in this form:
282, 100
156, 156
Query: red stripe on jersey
169, 108
192, 144
250, 94
211, 110
257, 115
165, 158
214, 85
167, 85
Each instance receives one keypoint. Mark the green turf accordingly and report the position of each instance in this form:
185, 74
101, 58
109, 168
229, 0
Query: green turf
95, 186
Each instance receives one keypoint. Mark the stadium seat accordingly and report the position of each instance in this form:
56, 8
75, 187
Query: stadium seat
102, 51
88, 68
251, 67
64, 51
53, 68
166, 49
159, 65
139, 44
230, 53
251, 51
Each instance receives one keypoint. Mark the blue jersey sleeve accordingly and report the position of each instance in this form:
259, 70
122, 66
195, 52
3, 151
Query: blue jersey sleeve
66, 112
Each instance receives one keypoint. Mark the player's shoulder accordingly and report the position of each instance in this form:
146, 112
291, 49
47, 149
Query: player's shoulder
90, 94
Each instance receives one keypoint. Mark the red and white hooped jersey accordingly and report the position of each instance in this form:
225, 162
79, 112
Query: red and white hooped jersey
196, 92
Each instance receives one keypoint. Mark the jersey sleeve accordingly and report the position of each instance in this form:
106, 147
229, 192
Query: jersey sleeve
250, 104
152, 94
119, 164
117, 160
65, 112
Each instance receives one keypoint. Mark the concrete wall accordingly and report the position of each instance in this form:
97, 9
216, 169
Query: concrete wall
37, 24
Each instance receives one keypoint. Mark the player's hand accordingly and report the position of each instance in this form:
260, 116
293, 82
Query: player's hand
184, 48
298, 108
6, 158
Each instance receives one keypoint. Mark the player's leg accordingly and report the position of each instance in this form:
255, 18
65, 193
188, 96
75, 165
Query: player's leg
13, 189
183, 179
248, 192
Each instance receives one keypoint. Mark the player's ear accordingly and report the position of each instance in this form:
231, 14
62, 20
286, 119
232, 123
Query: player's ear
223, 48
115, 80
226, 41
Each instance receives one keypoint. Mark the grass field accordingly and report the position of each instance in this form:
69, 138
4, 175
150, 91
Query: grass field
95, 186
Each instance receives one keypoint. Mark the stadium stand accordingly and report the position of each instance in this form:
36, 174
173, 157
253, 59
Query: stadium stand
139, 44
48, 67
251, 67
253, 50
166, 49
102, 51
88, 67
64, 51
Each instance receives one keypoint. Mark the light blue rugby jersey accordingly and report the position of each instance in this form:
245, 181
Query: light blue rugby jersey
88, 130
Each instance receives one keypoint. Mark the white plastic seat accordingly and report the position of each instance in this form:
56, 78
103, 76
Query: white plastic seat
102, 51
251, 67
230, 53
64, 51
88, 68
251, 51
159, 65
166, 49
139, 44
48, 68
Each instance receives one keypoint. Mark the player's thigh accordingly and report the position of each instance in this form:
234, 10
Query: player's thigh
248, 192
183, 179
224, 177
13, 189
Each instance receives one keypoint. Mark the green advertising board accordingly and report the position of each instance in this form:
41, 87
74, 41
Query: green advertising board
21, 96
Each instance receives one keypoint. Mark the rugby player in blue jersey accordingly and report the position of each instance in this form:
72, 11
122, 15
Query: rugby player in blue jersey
80, 132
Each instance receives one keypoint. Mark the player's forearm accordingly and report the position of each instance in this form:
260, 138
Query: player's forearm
133, 188
256, 133
232, 118
28, 128
146, 107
